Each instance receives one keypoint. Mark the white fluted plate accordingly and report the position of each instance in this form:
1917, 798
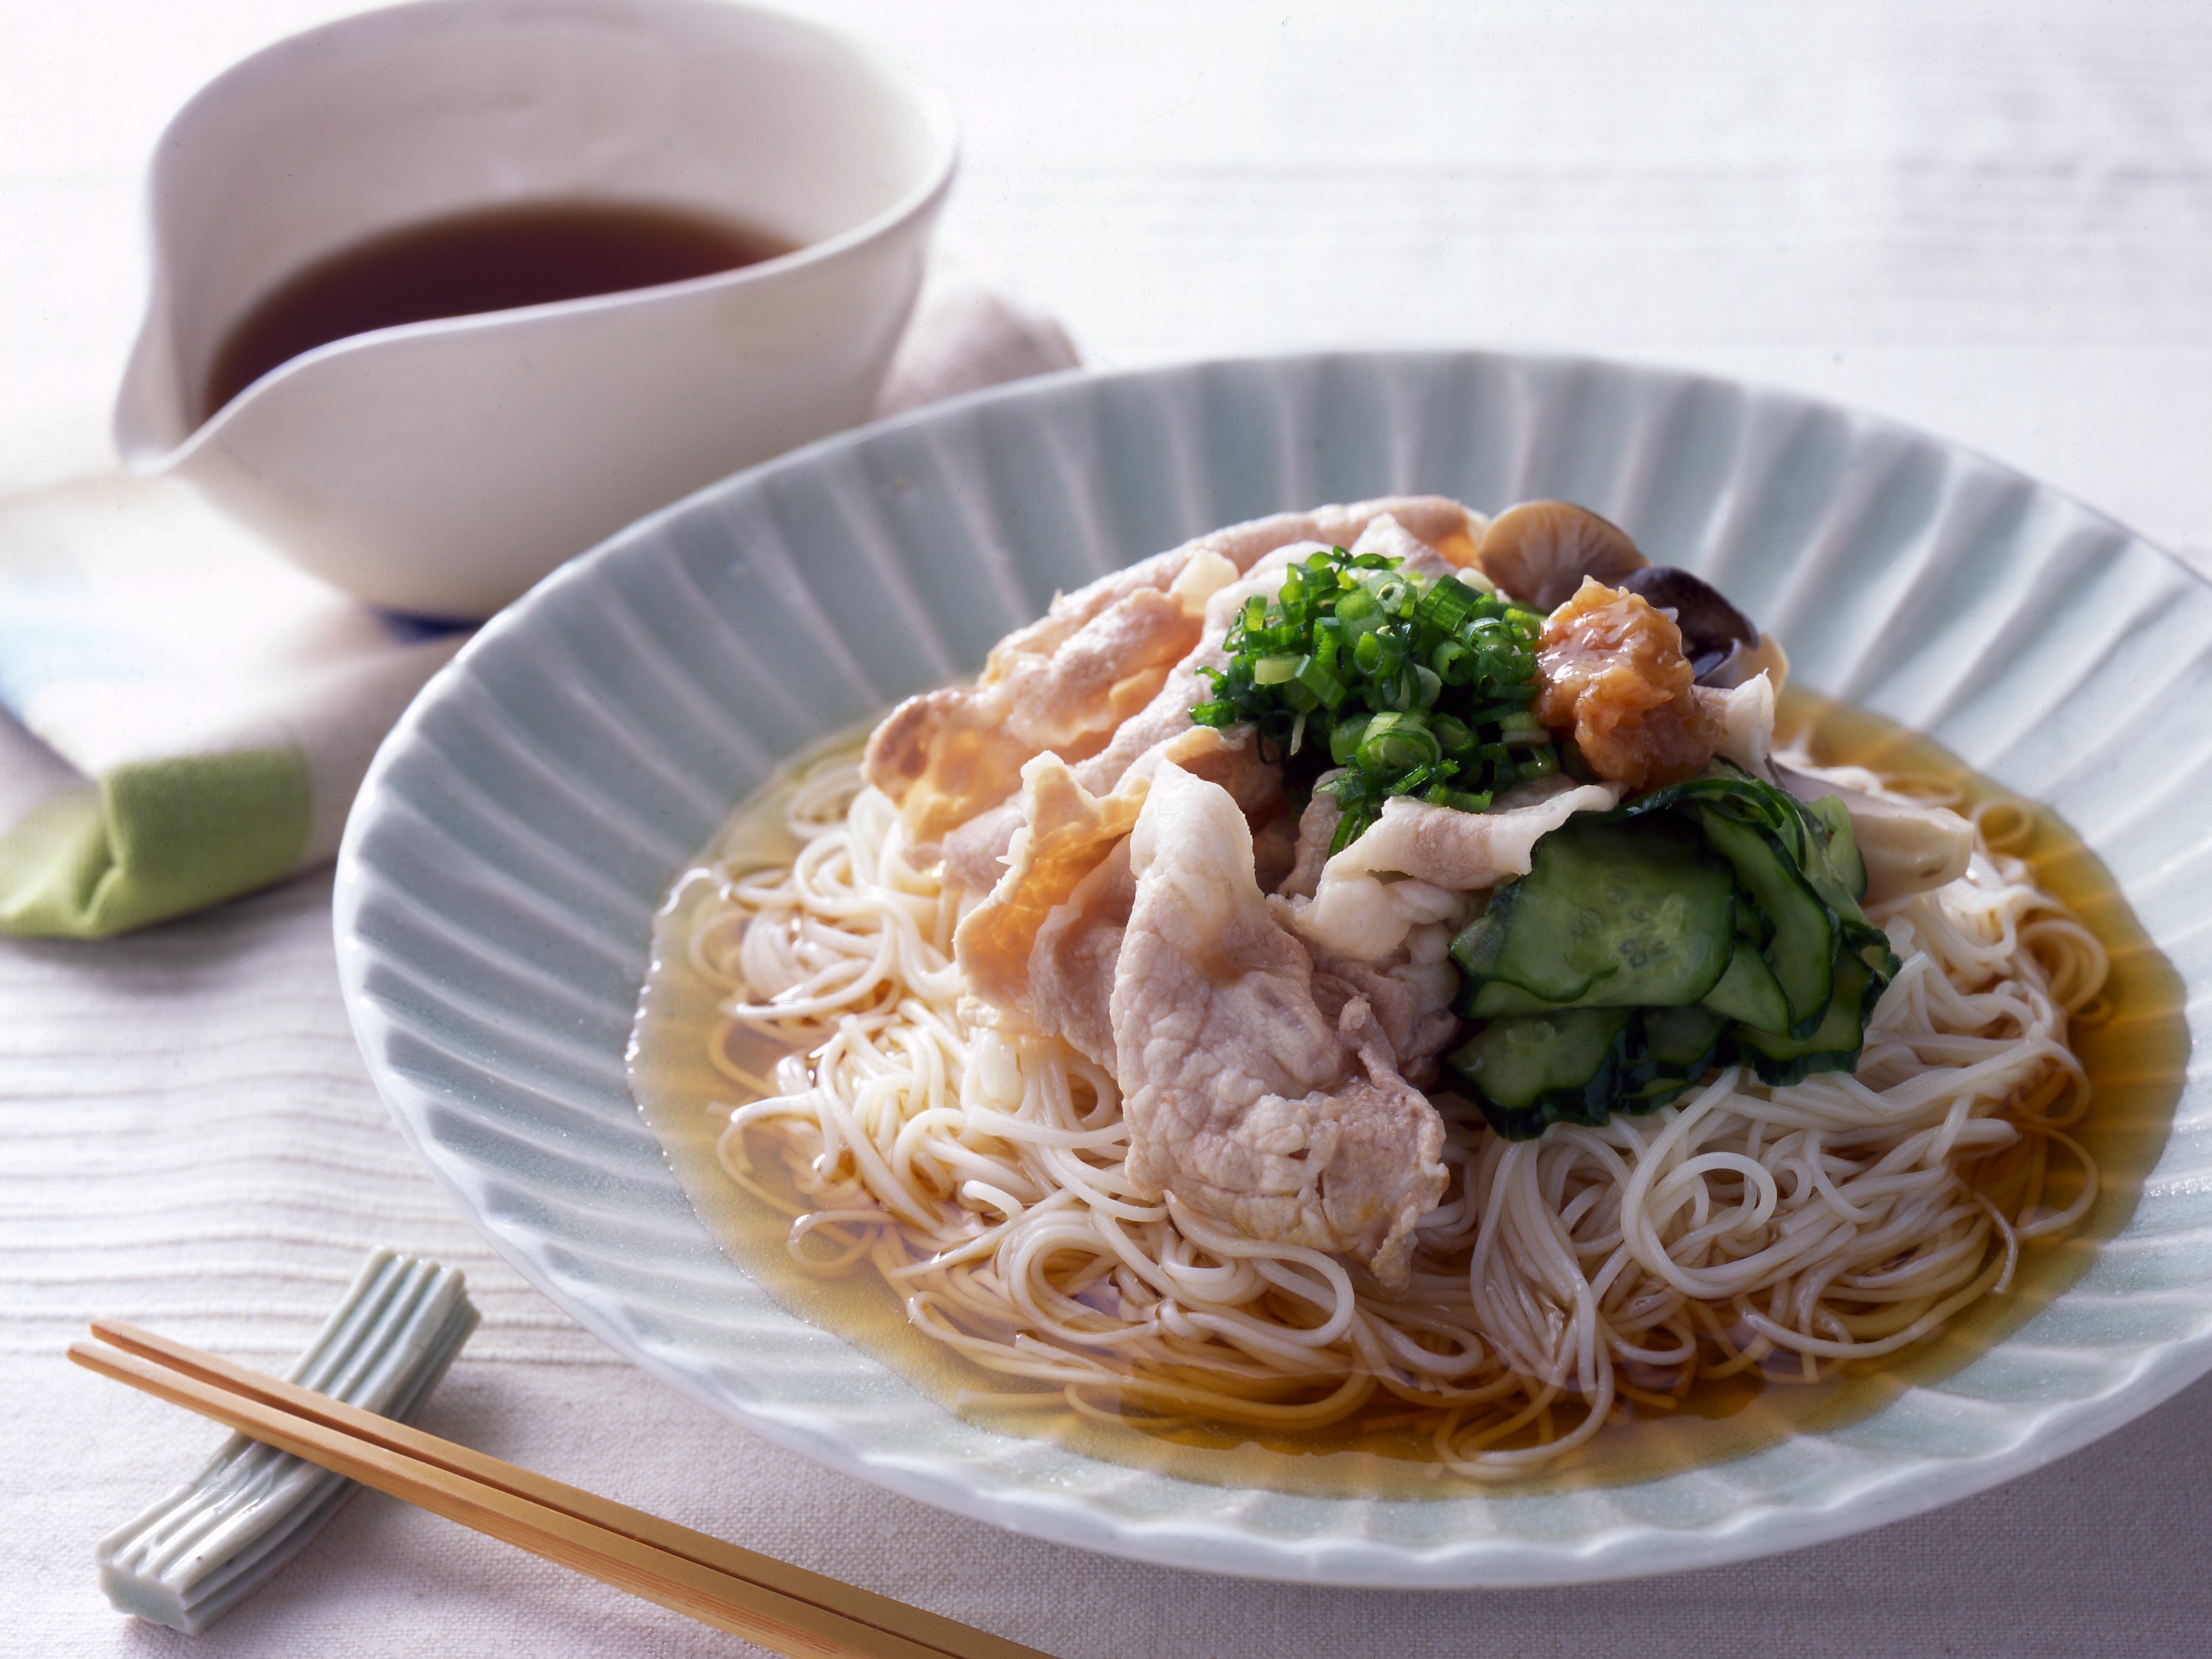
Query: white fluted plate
499, 877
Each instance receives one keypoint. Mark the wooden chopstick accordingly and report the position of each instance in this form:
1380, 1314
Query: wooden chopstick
781, 1607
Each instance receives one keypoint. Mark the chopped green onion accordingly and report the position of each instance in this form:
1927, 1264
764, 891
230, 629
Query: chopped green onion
1396, 743
1448, 604
1453, 663
1465, 800
1454, 734
1421, 685
1318, 678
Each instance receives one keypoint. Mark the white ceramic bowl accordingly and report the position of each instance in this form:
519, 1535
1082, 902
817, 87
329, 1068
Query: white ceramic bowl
442, 467
499, 876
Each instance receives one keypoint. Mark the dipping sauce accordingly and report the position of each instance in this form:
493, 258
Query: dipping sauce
488, 260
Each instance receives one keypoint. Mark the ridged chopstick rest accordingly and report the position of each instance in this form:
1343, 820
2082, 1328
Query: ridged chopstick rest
193, 1556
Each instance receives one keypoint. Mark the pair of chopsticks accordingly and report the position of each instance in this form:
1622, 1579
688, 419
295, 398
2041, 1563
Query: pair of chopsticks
783, 1607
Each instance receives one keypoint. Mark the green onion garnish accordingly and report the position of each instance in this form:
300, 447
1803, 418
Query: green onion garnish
1414, 685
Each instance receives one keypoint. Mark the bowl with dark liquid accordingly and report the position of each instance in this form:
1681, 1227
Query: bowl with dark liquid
444, 294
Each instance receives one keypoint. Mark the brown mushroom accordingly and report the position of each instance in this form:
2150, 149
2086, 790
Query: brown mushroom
1540, 551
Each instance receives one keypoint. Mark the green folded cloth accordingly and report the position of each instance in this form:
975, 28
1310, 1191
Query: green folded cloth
216, 708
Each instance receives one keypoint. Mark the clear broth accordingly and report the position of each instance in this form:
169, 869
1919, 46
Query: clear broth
2135, 1060
490, 259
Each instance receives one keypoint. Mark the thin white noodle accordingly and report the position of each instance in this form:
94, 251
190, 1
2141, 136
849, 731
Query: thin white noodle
981, 1171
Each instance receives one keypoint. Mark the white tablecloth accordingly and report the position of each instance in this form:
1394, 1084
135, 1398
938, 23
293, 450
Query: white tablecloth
1994, 223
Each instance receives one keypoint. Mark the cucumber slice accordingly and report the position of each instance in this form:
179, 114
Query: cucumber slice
1715, 922
1495, 999
1815, 835
1803, 952
1659, 1089
1833, 1045
1559, 1067
1611, 915
1672, 1048
1841, 851
1683, 1039
1749, 991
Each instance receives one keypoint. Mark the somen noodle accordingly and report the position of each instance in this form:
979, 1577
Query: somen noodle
979, 1169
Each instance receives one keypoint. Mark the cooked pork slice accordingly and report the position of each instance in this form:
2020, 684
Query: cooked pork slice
1410, 986
1416, 863
1316, 830
1410, 990
1746, 714
1068, 683
1451, 528
1066, 833
1060, 833
1426, 530
947, 755
1244, 1098
1386, 536
976, 855
1073, 963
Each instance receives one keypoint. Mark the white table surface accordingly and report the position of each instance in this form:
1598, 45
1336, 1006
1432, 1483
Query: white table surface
1995, 222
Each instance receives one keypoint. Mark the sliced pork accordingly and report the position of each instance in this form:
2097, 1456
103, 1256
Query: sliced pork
1244, 1096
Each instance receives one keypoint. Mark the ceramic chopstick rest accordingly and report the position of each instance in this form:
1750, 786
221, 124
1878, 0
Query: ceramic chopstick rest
191, 1557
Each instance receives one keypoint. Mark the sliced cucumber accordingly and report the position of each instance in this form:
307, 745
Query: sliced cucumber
1803, 952
1714, 922
1841, 849
1559, 1065
1611, 915
1683, 1039
1494, 999
1834, 1043
1749, 991
1815, 836
1670, 1049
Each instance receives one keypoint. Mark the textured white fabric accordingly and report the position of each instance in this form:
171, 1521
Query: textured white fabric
1995, 222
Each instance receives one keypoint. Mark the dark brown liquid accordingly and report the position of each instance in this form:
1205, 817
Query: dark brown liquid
492, 259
